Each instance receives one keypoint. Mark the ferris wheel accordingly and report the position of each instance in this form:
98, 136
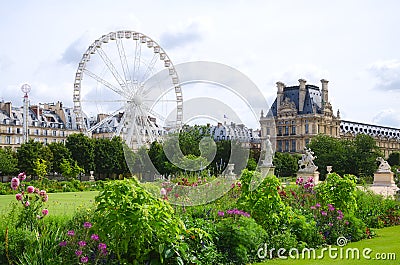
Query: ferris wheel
126, 85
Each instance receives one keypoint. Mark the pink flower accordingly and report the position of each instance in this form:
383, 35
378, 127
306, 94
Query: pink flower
30, 189
27, 203
45, 212
84, 259
14, 183
82, 243
22, 176
324, 213
239, 184
102, 246
340, 217
95, 237
221, 213
163, 192
87, 225
71, 233
42, 193
78, 252
346, 223
62, 243
176, 195
330, 224
318, 205
18, 196
45, 198
312, 208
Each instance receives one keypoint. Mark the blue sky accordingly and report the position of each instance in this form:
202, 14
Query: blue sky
353, 44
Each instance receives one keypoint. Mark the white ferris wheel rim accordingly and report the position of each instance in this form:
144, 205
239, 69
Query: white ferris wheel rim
131, 92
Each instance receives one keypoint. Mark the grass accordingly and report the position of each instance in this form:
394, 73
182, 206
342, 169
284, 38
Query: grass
387, 241
64, 203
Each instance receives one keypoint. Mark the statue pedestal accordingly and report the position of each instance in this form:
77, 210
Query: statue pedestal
266, 170
384, 184
91, 178
306, 175
229, 174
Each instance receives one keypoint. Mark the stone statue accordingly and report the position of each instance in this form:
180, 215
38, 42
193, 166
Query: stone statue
269, 153
306, 163
383, 166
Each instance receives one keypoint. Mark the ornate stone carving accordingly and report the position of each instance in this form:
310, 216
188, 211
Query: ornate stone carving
269, 153
306, 163
383, 166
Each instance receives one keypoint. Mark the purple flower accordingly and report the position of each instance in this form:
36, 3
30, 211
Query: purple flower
22, 176
45, 212
30, 189
312, 208
324, 213
45, 198
346, 223
163, 192
27, 203
310, 179
78, 252
82, 243
339, 212
14, 183
62, 243
340, 217
18, 197
330, 207
318, 205
95, 237
102, 246
221, 213
42, 193
330, 224
299, 181
84, 259
87, 225
71, 233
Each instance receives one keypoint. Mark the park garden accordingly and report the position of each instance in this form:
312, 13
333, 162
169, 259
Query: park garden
122, 219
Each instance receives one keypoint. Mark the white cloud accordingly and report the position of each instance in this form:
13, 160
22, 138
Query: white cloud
387, 74
387, 117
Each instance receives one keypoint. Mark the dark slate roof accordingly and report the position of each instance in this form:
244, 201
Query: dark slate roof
312, 99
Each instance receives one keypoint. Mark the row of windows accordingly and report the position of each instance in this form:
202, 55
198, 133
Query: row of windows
18, 140
289, 145
36, 132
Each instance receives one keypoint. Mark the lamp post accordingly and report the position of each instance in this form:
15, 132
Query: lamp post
25, 88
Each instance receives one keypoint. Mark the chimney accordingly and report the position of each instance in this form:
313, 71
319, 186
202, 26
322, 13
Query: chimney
279, 94
6, 107
302, 93
324, 92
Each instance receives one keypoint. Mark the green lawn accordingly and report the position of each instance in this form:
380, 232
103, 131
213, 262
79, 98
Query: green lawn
386, 241
64, 203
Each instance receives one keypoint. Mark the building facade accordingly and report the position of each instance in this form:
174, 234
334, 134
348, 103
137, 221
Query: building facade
301, 112
47, 123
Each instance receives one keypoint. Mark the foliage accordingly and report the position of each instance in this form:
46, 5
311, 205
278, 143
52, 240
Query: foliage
8, 161
40, 168
109, 156
264, 199
355, 156
82, 150
394, 159
29, 153
138, 226
59, 153
239, 238
70, 170
285, 164
83, 246
31, 200
339, 191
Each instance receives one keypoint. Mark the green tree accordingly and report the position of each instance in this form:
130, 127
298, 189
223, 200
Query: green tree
8, 161
329, 151
70, 170
60, 153
365, 153
286, 165
40, 168
29, 152
394, 159
82, 150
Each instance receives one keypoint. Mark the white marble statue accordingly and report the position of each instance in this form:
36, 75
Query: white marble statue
383, 166
306, 163
269, 153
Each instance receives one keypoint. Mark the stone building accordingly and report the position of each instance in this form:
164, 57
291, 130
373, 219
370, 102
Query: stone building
47, 123
304, 111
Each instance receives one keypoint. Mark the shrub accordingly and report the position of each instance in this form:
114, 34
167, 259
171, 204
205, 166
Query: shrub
239, 238
138, 226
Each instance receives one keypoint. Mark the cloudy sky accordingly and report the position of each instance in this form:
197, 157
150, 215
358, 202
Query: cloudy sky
353, 44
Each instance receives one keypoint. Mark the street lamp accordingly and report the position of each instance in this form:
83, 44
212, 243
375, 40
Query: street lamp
25, 88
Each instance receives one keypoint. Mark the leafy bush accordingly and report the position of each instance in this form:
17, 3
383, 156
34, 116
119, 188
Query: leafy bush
138, 226
239, 238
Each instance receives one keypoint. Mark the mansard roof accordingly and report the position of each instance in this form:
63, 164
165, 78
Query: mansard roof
312, 99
